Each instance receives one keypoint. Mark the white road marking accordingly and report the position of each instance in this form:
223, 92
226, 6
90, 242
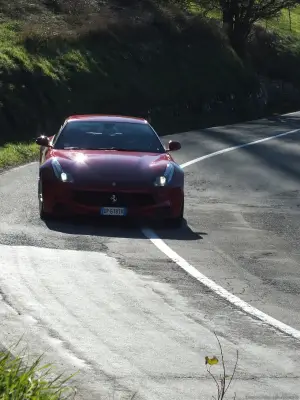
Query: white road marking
164, 248
219, 290
296, 113
240, 146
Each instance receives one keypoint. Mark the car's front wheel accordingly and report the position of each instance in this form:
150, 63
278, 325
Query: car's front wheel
176, 223
43, 214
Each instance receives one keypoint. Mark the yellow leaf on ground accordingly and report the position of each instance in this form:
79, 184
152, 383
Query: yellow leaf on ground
211, 361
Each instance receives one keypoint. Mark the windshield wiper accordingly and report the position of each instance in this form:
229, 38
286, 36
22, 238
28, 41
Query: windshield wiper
105, 148
108, 148
121, 149
89, 148
130, 150
72, 148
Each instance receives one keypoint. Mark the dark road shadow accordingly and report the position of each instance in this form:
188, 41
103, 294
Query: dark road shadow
120, 227
277, 158
280, 122
292, 121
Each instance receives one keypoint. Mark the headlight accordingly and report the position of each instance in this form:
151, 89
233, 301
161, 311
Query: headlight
166, 178
59, 172
160, 181
66, 177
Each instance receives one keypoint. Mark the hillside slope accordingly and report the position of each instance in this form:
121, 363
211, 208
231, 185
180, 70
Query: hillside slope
148, 61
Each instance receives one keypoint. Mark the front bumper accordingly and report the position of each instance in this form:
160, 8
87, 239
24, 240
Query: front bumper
69, 199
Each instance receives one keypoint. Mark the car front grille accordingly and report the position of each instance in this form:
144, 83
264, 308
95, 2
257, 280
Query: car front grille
106, 199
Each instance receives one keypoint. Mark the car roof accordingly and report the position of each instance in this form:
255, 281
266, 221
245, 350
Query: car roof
106, 118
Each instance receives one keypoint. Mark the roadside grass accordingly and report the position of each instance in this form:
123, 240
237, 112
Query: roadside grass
31, 382
34, 81
14, 154
20, 380
53, 67
180, 71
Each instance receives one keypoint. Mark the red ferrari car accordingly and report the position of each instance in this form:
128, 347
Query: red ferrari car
110, 166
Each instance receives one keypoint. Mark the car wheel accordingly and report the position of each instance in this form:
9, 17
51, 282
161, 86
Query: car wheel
176, 223
43, 214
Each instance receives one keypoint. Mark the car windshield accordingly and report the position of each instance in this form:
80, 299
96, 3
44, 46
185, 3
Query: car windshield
107, 135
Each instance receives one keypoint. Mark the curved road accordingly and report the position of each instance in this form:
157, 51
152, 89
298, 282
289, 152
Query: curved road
107, 301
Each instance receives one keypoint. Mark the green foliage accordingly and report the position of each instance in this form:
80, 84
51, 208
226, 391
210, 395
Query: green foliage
148, 58
13, 154
34, 382
248, 10
238, 17
287, 22
162, 64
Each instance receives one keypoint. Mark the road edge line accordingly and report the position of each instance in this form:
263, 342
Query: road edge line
239, 146
210, 284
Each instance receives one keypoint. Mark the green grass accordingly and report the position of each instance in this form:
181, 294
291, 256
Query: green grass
21, 380
116, 66
17, 154
159, 64
283, 24
15, 56
34, 382
288, 23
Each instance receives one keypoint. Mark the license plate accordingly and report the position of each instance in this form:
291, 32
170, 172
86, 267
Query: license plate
114, 211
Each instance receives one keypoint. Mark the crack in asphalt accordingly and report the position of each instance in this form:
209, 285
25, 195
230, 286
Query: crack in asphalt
8, 302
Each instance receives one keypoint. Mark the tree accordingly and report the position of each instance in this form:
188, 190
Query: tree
240, 15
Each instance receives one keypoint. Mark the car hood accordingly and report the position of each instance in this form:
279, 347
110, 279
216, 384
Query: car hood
108, 165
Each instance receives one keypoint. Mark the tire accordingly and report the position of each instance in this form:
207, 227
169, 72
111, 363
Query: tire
43, 215
176, 223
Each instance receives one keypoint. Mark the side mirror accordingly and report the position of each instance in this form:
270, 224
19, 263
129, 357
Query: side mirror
174, 146
42, 141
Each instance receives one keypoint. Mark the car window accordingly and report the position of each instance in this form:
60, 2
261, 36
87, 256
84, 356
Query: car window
93, 135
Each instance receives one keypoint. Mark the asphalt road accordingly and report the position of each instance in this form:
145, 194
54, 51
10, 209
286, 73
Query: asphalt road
107, 301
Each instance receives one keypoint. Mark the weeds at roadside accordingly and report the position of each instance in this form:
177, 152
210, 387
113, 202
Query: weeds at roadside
36, 382
16, 154
221, 383
31, 382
